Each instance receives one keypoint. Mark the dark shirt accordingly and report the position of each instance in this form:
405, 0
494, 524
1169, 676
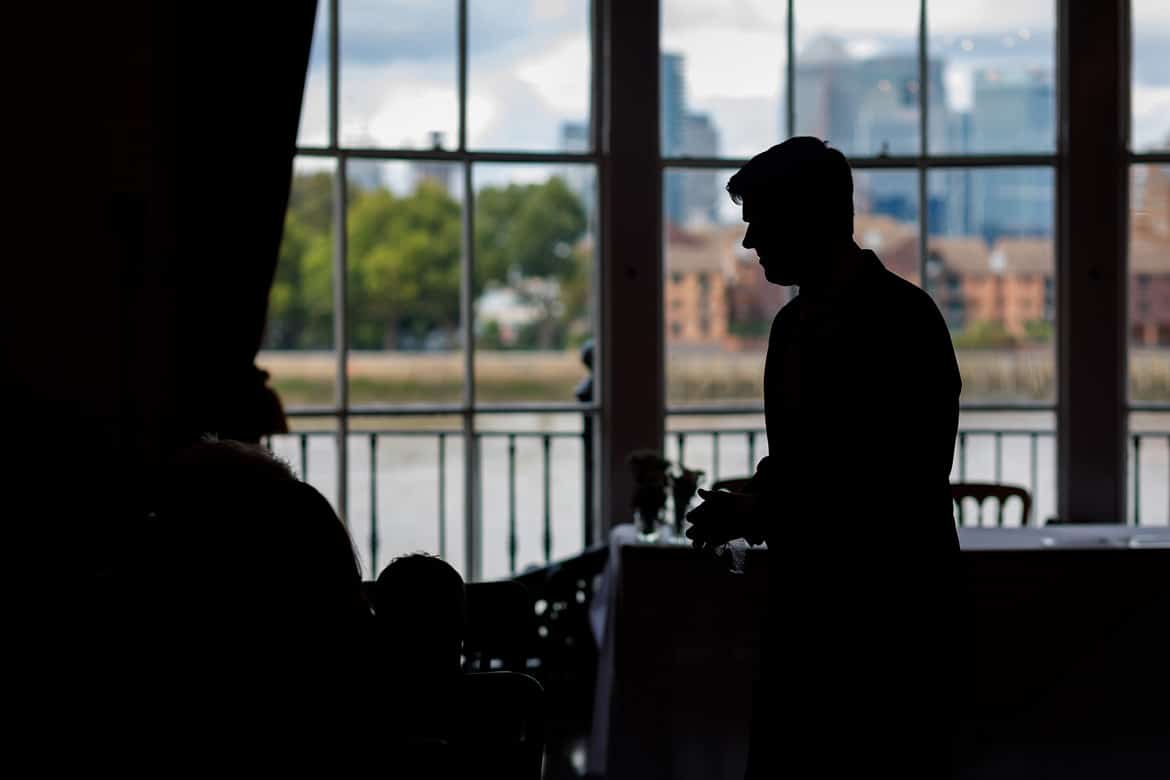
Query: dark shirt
861, 393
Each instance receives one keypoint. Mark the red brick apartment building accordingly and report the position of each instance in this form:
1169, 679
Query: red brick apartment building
716, 295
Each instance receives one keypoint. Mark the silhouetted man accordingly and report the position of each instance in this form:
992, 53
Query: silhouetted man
861, 395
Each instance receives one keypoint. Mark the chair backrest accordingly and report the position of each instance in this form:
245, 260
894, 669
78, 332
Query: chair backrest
499, 626
981, 492
500, 730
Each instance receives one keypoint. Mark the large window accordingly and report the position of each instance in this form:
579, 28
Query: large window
448, 240
1149, 265
436, 278
951, 130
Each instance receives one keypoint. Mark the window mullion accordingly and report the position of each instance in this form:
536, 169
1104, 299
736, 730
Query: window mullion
341, 328
471, 503
923, 146
790, 71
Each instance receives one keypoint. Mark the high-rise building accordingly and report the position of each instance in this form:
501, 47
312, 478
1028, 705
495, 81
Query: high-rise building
672, 102
672, 105
700, 188
1013, 111
440, 173
870, 107
689, 196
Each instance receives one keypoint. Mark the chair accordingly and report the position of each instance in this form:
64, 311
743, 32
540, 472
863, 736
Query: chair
981, 492
500, 726
566, 652
499, 626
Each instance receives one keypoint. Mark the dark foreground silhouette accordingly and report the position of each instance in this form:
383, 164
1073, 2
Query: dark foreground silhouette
861, 380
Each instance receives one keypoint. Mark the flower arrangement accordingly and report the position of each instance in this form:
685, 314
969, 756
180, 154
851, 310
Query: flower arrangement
654, 480
684, 484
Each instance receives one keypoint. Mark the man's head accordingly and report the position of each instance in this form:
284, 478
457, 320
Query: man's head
420, 602
797, 199
245, 537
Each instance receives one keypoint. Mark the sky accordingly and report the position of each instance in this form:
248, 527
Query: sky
529, 67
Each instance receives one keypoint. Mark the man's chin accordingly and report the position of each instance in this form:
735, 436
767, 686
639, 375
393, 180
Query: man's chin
777, 276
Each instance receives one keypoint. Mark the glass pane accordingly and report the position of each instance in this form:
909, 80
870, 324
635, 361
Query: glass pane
885, 205
1149, 469
713, 103
409, 470
741, 441
298, 339
314, 127
997, 59
857, 75
1149, 283
534, 279
398, 74
516, 489
404, 227
528, 73
1022, 454
991, 270
717, 307
1150, 96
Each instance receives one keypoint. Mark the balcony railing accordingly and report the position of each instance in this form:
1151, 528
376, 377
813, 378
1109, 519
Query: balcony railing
722, 452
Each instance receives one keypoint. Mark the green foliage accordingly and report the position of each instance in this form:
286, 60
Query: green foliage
526, 230
984, 334
1038, 331
403, 273
403, 266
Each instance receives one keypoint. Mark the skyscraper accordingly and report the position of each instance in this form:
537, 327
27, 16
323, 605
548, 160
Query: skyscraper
700, 188
440, 173
692, 195
1013, 112
672, 102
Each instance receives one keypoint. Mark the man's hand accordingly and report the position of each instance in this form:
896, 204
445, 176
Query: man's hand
724, 516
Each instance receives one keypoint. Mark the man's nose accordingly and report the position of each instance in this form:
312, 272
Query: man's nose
748, 240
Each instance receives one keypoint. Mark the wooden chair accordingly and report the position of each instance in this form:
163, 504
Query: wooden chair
500, 626
565, 652
983, 491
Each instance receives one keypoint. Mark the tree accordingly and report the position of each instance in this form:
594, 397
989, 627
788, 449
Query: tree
403, 261
403, 266
526, 230
296, 318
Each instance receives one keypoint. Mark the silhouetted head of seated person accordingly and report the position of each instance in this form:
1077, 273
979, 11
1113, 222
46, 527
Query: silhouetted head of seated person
259, 582
420, 609
797, 200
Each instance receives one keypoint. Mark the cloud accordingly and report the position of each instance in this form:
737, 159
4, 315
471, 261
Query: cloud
381, 31
1151, 117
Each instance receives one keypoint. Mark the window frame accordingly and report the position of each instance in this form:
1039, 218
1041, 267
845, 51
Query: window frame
921, 165
466, 159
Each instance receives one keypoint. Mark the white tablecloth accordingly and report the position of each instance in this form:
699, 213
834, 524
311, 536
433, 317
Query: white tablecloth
677, 605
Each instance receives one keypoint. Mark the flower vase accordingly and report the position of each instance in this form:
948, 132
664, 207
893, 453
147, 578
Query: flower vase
649, 523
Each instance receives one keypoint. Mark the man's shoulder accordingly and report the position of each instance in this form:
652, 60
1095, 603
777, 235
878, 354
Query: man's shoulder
905, 298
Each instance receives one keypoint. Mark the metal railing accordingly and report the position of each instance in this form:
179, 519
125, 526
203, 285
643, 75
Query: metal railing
715, 441
441, 437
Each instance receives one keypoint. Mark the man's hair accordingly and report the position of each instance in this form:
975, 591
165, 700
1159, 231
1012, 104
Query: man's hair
803, 174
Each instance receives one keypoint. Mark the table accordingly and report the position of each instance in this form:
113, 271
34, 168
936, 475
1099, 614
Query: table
666, 615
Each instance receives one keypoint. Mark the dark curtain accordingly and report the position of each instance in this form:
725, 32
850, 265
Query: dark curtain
232, 97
